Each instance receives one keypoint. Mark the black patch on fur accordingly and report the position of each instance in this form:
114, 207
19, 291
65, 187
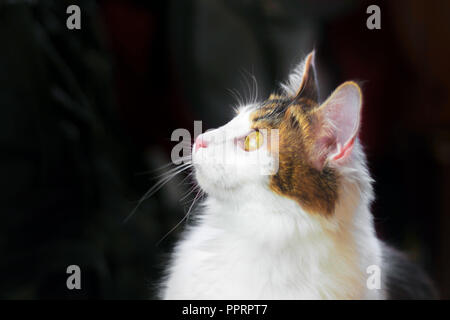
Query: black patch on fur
276, 113
403, 279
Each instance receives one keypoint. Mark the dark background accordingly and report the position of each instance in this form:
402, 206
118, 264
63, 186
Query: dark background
84, 112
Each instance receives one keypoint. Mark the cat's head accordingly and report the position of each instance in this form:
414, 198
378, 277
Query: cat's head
290, 144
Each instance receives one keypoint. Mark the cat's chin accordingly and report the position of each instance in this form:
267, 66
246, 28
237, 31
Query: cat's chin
218, 188
212, 187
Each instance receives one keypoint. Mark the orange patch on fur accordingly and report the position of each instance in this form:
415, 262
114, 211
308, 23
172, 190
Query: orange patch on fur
274, 96
314, 190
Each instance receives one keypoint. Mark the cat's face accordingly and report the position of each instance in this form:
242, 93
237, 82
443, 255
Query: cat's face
289, 144
234, 155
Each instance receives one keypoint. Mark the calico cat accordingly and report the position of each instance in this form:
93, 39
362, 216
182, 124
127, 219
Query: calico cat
302, 231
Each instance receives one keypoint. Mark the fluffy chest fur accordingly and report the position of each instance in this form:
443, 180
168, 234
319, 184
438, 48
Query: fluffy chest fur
270, 249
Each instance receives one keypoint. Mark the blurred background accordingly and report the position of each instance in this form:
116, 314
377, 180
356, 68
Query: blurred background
86, 114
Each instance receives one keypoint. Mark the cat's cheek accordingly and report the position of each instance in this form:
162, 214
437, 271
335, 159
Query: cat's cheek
206, 176
201, 180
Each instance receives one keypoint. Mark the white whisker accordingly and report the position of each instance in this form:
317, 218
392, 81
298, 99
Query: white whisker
183, 159
158, 185
184, 218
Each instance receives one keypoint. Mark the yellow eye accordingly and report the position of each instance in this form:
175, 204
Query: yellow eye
253, 141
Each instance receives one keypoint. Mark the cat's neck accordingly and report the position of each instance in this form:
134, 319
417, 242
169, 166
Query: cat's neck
259, 214
262, 218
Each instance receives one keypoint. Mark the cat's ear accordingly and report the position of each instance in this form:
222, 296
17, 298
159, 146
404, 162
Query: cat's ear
302, 81
337, 123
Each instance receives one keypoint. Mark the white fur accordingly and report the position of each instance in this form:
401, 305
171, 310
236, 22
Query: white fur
250, 243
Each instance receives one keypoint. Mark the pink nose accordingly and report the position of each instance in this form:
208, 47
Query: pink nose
200, 143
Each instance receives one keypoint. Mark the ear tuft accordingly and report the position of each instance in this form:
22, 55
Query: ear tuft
303, 81
339, 120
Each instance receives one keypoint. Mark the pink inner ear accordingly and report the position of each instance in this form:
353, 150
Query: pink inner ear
342, 113
345, 151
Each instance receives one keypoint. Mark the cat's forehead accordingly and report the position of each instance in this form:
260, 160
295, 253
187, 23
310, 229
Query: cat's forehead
272, 111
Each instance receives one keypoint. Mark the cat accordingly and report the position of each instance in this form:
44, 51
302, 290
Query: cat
288, 217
